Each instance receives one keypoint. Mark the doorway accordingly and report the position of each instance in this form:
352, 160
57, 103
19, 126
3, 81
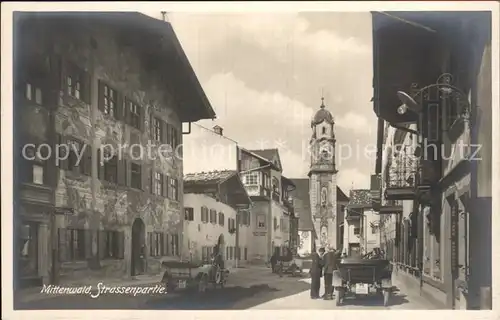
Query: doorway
138, 247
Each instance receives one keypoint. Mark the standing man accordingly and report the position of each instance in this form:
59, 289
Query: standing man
316, 273
274, 261
330, 266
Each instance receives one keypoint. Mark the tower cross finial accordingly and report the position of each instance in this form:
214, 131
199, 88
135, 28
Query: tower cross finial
322, 99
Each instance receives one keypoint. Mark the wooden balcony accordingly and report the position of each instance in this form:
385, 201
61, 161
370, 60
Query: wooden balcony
390, 207
401, 183
257, 191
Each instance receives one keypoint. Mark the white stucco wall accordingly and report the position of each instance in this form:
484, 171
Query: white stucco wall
372, 238
198, 234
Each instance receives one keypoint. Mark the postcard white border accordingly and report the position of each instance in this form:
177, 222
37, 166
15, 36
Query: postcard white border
203, 7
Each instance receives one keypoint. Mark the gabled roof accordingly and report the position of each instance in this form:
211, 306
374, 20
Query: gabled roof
270, 155
360, 198
258, 156
288, 182
236, 189
341, 196
157, 43
212, 177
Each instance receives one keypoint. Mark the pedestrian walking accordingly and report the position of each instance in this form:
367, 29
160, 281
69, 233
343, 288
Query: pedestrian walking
316, 273
274, 261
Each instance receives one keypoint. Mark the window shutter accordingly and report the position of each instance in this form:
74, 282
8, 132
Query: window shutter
176, 184
167, 243
168, 189
100, 166
169, 135
164, 179
62, 244
164, 135
151, 122
63, 141
175, 137
120, 107
121, 244
154, 245
176, 244
101, 238
100, 93
87, 160
86, 86
151, 173
122, 172
150, 243
88, 243
145, 177
57, 70
142, 118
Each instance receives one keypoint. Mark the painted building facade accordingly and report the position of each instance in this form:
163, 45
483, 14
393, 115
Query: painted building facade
306, 231
97, 85
323, 178
217, 212
434, 165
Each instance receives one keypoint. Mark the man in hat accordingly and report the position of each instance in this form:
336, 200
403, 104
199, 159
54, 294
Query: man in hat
316, 272
330, 265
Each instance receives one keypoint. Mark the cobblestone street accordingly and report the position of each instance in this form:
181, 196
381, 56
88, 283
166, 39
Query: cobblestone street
248, 288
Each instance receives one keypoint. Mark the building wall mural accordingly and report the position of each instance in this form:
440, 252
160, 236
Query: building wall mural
97, 204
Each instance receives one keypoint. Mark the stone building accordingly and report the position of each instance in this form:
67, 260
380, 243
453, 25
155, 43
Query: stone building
433, 178
272, 215
87, 81
217, 212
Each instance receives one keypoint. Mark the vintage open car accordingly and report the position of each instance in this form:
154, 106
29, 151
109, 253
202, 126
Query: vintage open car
193, 276
362, 275
291, 266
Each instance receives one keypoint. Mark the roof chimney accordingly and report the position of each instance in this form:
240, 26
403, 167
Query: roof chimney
218, 130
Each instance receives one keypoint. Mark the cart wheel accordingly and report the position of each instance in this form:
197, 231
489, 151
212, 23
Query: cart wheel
387, 293
202, 284
338, 296
280, 271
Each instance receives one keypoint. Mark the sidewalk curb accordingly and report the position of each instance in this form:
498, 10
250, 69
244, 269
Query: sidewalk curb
400, 281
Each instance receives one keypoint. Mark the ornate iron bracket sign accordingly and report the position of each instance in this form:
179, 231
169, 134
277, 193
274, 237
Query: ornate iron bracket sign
444, 89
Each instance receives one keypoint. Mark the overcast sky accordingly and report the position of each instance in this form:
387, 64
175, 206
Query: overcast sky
264, 75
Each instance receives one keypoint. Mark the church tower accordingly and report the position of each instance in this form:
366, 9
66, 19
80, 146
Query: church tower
323, 178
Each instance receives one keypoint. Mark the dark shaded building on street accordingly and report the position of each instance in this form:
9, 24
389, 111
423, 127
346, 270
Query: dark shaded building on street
87, 80
432, 184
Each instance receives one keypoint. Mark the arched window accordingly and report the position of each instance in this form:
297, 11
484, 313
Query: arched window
323, 130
